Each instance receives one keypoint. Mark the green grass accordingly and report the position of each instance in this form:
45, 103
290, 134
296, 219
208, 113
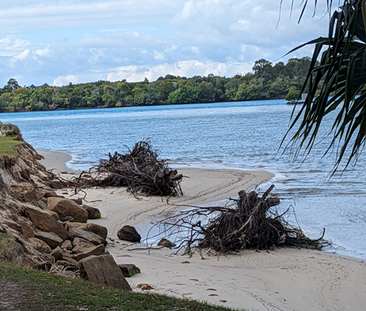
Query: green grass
7, 145
46, 291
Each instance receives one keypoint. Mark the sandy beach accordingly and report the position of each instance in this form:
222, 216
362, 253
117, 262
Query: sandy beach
284, 279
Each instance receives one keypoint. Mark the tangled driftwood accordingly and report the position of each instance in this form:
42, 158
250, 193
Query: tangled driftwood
140, 170
249, 222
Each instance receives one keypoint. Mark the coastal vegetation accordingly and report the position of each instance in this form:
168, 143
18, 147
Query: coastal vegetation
266, 81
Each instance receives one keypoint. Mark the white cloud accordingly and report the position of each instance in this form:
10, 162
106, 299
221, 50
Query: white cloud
158, 56
184, 69
46, 52
22, 55
60, 81
53, 41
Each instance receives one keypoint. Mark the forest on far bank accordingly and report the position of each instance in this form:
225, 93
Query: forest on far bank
266, 81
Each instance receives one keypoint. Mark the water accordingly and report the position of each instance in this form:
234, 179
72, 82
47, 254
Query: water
242, 135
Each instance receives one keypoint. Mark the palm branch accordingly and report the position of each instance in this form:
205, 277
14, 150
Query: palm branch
335, 83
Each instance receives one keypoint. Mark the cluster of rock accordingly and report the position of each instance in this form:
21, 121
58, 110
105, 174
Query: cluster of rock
52, 230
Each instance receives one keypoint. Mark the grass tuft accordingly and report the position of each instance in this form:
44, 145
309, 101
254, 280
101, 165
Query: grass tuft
7, 144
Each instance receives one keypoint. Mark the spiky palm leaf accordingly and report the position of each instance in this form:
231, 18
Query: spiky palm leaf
336, 83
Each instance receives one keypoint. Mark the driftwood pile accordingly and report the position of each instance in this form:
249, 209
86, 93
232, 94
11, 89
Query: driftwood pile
140, 170
250, 222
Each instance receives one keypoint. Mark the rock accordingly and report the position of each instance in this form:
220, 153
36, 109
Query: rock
41, 245
44, 265
67, 218
67, 245
78, 201
97, 229
45, 222
13, 225
67, 207
80, 245
52, 213
27, 230
129, 270
26, 191
103, 270
129, 233
95, 250
87, 235
93, 213
56, 184
58, 253
52, 239
41, 204
166, 243
48, 194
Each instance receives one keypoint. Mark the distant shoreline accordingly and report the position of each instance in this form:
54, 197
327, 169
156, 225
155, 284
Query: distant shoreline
131, 106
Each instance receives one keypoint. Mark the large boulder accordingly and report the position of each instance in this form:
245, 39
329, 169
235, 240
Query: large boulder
79, 245
86, 235
27, 231
52, 239
129, 233
94, 250
66, 207
103, 270
45, 222
97, 229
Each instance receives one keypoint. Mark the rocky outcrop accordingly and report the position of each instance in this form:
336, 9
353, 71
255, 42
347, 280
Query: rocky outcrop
97, 229
52, 239
30, 213
45, 222
129, 233
94, 250
86, 235
66, 207
103, 270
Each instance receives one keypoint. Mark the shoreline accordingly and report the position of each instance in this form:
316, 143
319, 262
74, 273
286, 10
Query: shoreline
283, 279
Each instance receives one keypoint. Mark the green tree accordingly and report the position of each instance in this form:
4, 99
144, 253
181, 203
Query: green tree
292, 94
183, 95
165, 88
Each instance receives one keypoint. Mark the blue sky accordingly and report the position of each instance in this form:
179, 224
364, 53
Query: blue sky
62, 41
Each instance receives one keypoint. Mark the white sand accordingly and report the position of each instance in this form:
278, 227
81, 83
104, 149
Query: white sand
285, 279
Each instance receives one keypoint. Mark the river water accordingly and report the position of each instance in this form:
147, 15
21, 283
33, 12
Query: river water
241, 135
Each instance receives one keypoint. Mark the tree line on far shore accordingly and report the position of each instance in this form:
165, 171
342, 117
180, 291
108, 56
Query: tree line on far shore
267, 81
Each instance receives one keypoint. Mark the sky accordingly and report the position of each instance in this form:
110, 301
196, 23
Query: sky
62, 41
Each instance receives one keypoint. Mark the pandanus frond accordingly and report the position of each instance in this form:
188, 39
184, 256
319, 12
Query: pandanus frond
335, 83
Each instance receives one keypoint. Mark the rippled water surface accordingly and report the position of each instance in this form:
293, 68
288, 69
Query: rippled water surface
244, 135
